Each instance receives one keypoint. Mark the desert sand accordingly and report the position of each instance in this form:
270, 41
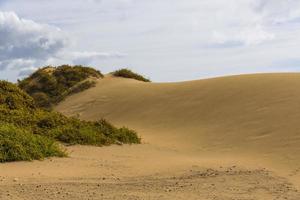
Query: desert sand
234, 137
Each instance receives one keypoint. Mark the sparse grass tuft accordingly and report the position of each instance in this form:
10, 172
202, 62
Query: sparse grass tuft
127, 73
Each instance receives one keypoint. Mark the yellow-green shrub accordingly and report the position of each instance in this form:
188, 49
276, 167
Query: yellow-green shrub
18, 144
28, 132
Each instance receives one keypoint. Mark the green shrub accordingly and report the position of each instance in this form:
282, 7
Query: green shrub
127, 136
50, 85
84, 135
11, 97
97, 133
126, 73
17, 144
28, 132
42, 99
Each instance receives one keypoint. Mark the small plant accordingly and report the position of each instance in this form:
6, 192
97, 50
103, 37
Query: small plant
127, 73
127, 136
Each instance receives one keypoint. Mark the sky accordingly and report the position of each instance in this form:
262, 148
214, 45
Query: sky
166, 40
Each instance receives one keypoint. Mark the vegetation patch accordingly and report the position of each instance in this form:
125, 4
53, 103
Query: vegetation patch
17, 144
50, 85
127, 73
28, 132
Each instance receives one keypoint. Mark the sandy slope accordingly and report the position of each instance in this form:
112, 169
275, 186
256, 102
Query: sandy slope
225, 138
250, 114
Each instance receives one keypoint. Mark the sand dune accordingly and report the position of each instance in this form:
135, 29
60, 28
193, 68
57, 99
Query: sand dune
233, 137
254, 115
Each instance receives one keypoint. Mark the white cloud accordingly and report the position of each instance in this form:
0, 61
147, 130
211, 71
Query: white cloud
16, 64
252, 35
26, 71
22, 41
278, 11
169, 37
21, 38
84, 56
26, 45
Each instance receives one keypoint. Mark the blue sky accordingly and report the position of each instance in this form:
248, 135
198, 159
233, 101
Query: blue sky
167, 40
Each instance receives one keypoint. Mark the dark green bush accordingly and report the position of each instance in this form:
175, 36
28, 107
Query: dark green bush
126, 73
53, 84
42, 99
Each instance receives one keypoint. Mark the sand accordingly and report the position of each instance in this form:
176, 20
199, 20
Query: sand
233, 137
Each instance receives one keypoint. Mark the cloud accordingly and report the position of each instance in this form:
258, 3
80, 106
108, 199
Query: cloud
246, 36
278, 12
16, 64
84, 58
192, 37
288, 64
26, 71
26, 45
22, 39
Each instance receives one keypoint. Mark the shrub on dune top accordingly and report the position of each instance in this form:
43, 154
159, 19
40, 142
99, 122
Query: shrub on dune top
127, 73
50, 85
